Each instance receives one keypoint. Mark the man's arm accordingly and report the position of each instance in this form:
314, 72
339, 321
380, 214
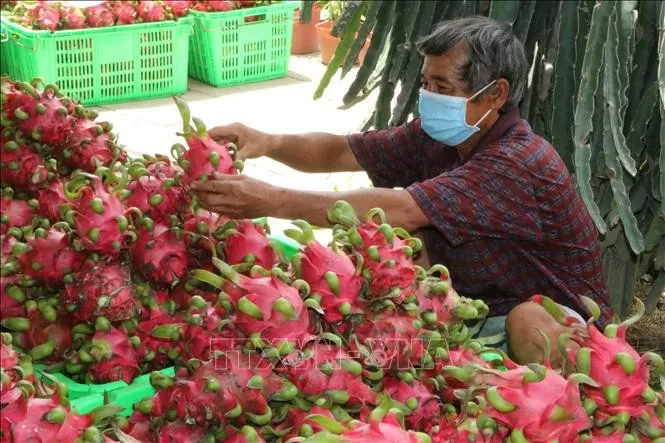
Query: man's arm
315, 152
399, 206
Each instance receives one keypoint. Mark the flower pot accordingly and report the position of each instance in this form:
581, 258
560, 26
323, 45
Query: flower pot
304, 35
328, 44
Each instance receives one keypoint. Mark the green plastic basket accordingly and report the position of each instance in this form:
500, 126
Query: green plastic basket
102, 65
242, 46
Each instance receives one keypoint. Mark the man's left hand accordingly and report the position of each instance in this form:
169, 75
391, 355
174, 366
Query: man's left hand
237, 196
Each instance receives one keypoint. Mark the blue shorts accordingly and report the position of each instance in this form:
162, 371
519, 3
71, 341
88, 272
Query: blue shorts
494, 326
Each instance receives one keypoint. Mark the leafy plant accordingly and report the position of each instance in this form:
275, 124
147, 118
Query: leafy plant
597, 93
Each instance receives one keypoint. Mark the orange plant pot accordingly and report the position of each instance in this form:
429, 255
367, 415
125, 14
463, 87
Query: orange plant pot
304, 35
328, 44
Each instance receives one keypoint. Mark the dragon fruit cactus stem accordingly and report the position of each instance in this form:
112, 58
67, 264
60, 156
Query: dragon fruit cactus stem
335, 282
205, 157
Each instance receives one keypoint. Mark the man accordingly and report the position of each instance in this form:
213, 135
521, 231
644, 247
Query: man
492, 200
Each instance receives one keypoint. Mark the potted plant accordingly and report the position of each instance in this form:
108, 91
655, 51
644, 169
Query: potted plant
327, 44
304, 34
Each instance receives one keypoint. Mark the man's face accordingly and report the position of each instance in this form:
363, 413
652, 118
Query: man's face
440, 75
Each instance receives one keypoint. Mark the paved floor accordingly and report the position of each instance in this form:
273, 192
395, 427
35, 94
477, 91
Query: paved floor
279, 106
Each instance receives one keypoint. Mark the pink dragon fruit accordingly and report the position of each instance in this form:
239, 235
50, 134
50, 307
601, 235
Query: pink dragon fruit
178, 431
91, 146
49, 258
215, 6
210, 331
21, 167
387, 252
98, 214
327, 372
111, 357
160, 338
383, 427
205, 157
73, 18
151, 11
270, 312
45, 16
620, 374
100, 290
124, 12
246, 434
298, 424
160, 253
453, 428
42, 117
233, 387
200, 224
424, 405
247, 242
16, 213
52, 200
334, 280
12, 295
178, 8
154, 189
45, 332
99, 16
536, 403
440, 306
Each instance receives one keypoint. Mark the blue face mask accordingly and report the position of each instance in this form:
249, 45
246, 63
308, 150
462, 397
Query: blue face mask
443, 117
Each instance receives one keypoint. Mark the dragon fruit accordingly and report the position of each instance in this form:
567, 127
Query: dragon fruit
42, 117
160, 253
298, 424
270, 312
333, 278
45, 332
52, 200
454, 428
31, 419
45, 16
16, 213
536, 403
247, 242
99, 16
323, 371
387, 252
160, 338
214, 6
246, 434
151, 11
200, 224
73, 18
111, 357
384, 427
91, 146
48, 257
231, 387
154, 189
98, 215
12, 295
124, 12
620, 374
178, 8
205, 157
21, 167
424, 405
394, 342
440, 306
100, 290
210, 331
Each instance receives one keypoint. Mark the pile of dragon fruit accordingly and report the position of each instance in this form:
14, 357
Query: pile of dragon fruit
54, 16
110, 270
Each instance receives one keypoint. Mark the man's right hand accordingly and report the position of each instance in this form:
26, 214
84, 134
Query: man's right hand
251, 143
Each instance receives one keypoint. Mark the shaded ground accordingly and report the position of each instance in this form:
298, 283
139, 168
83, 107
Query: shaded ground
649, 333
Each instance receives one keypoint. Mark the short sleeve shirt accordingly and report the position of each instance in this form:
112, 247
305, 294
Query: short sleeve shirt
507, 220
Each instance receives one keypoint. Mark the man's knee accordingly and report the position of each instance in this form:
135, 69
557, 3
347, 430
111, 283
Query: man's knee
525, 326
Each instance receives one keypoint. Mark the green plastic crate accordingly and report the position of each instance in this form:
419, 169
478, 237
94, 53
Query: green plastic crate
102, 65
242, 46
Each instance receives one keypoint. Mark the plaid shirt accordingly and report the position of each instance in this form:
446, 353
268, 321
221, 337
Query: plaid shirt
507, 221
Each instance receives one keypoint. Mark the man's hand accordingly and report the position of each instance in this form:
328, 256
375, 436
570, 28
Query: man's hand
237, 196
251, 143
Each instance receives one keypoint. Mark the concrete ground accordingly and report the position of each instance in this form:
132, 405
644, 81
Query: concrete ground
284, 105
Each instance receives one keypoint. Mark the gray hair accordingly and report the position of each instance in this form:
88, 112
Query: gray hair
493, 52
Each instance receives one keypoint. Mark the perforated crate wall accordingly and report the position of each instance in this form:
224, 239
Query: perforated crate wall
102, 65
242, 46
